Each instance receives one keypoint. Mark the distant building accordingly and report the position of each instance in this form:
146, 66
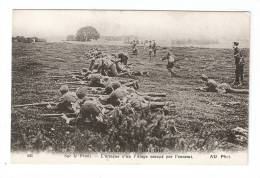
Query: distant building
27, 39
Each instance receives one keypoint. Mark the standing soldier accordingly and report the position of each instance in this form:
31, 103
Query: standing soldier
150, 48
239, 62
154, 48
134, 48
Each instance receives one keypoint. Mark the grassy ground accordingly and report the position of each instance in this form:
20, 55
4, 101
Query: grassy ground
199, 116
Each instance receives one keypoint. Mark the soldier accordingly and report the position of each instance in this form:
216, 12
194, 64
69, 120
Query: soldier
110, 67
154, 47
90, 111
150, 48
125, 95
95, 60
96, 80
66, 101
123, 58
170, 62
239, 62
213, 86
134, 47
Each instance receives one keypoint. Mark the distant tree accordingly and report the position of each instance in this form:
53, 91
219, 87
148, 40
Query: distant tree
87, 33
70, 38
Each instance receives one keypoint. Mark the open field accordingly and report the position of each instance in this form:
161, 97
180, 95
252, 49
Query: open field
203, 119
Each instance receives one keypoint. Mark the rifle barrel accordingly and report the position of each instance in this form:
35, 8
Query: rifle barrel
34, 104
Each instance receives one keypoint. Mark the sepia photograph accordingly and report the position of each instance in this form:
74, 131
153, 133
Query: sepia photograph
132, 86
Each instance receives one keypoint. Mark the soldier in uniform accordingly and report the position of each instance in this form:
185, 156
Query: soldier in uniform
150, 48
134, 47
239, 62
124, 95
154, 48
123, 58
66, 101
213, 86
170, 62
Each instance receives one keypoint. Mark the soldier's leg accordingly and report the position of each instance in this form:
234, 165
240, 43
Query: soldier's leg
171, 71
236, 75
149, 98
241, 91
133, 84
241, 72
154, 104
91, 66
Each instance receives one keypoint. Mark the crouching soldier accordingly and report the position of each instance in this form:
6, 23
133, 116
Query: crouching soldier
66, 101
213, 86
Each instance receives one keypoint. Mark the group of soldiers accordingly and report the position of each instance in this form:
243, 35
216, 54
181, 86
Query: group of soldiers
113, 65
119, 109
152, 48
117, 105
213, 86
103, 94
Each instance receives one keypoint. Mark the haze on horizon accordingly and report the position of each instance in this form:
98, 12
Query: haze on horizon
158, 25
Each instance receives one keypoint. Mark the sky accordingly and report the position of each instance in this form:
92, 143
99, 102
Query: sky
163, 25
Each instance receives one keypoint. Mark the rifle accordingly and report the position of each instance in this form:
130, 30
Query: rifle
34, 104
67, 117
58, 115
75, 83
153, 94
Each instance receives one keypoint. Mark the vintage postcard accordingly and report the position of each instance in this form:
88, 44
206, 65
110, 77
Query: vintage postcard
130, 87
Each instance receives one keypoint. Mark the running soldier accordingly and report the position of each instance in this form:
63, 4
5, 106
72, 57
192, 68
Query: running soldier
170, 62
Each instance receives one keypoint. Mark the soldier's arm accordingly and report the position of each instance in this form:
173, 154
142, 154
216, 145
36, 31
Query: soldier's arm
100, 66
91, 64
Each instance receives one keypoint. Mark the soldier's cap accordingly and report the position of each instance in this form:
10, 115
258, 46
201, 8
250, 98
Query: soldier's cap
204, 77
236, 43
64, 89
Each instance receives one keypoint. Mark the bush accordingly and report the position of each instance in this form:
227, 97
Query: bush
87, 33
